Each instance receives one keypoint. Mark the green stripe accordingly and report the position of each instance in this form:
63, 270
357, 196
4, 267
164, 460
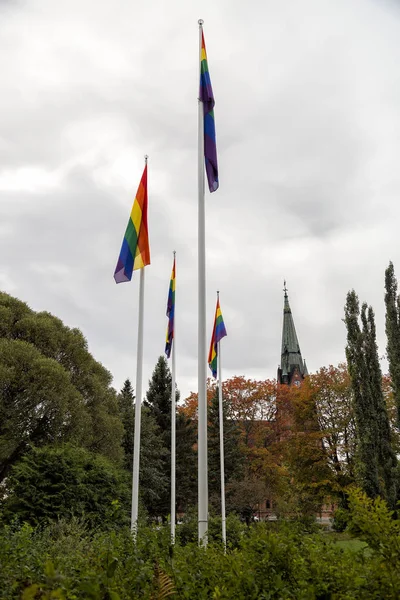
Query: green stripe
131, 237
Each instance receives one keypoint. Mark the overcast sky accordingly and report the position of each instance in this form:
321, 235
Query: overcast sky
308, 136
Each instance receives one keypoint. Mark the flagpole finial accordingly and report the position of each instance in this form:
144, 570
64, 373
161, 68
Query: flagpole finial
146, 156
218, 293
174, 252
200, 22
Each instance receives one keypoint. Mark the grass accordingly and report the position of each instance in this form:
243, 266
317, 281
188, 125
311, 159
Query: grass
346, 541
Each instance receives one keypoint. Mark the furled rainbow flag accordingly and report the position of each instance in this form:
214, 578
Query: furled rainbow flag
135, 250
207, 98
219, 332
170, 313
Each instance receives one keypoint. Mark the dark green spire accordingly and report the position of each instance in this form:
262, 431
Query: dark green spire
291, 359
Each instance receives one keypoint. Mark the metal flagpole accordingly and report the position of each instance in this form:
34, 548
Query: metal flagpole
138, 403
202, 358
173, 426
221, 445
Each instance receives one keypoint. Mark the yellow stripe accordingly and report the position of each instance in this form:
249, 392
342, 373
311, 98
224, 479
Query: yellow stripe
203, 54
136, 216
138, 264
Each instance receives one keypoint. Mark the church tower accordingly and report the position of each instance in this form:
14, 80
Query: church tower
293, 368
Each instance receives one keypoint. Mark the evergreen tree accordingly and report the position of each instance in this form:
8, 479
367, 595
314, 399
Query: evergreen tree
153, 484
377, 463
186, 462
56, 482
126, 401
233, 455
392, 302
386, 456
367, 432
158, 401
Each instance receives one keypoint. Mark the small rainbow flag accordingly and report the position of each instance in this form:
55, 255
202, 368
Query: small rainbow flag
135, 250
219, 332
207, 98
170, 313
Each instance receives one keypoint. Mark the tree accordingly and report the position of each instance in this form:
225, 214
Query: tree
51, 340
376, 464
386, 456
158, 401
126, 401
392, 302
308, 479
38, 403
233, 454
332, 393
153, 481
153, 484
55, 482
367, 471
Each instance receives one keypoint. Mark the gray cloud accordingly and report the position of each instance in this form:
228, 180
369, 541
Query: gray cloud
308, 137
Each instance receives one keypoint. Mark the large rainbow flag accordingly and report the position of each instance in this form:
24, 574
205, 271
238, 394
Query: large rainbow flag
135, 250
218, 333
170, 313
207, 98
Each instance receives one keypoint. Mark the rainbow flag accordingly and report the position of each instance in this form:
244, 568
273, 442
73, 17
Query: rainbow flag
207, 98
170, 313
135, 250
219, 332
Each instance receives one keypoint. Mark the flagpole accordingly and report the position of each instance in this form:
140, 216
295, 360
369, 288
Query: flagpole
173, 428
221, 445
138, 407
202, 359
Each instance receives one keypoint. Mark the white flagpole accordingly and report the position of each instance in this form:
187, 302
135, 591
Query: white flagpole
173, 430
221, 447
202, 358
138, 407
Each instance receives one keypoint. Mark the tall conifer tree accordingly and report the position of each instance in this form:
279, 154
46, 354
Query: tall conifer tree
153, 483
367, 470
158, 400
392, 302
377, 464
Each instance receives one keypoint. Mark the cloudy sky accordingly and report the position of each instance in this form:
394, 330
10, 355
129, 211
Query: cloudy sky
308, 134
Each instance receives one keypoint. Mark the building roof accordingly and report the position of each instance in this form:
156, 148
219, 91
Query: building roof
290, 352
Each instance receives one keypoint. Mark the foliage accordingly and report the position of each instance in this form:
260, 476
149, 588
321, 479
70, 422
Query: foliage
158, 403
274, 561
126, 408
340, 519
376, 467
332, 393
59, 482
153, 482
233, 454
52, 389
392, 302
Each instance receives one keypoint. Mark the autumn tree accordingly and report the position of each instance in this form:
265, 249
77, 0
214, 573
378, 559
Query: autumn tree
233, 453
333, 396
308, 480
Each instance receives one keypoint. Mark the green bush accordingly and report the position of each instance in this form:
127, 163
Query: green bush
69, 560
53, 483
340, 519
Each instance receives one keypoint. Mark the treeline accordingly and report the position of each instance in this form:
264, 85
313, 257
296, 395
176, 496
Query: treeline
67, 437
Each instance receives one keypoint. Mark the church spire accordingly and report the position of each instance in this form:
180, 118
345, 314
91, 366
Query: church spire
293, 369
